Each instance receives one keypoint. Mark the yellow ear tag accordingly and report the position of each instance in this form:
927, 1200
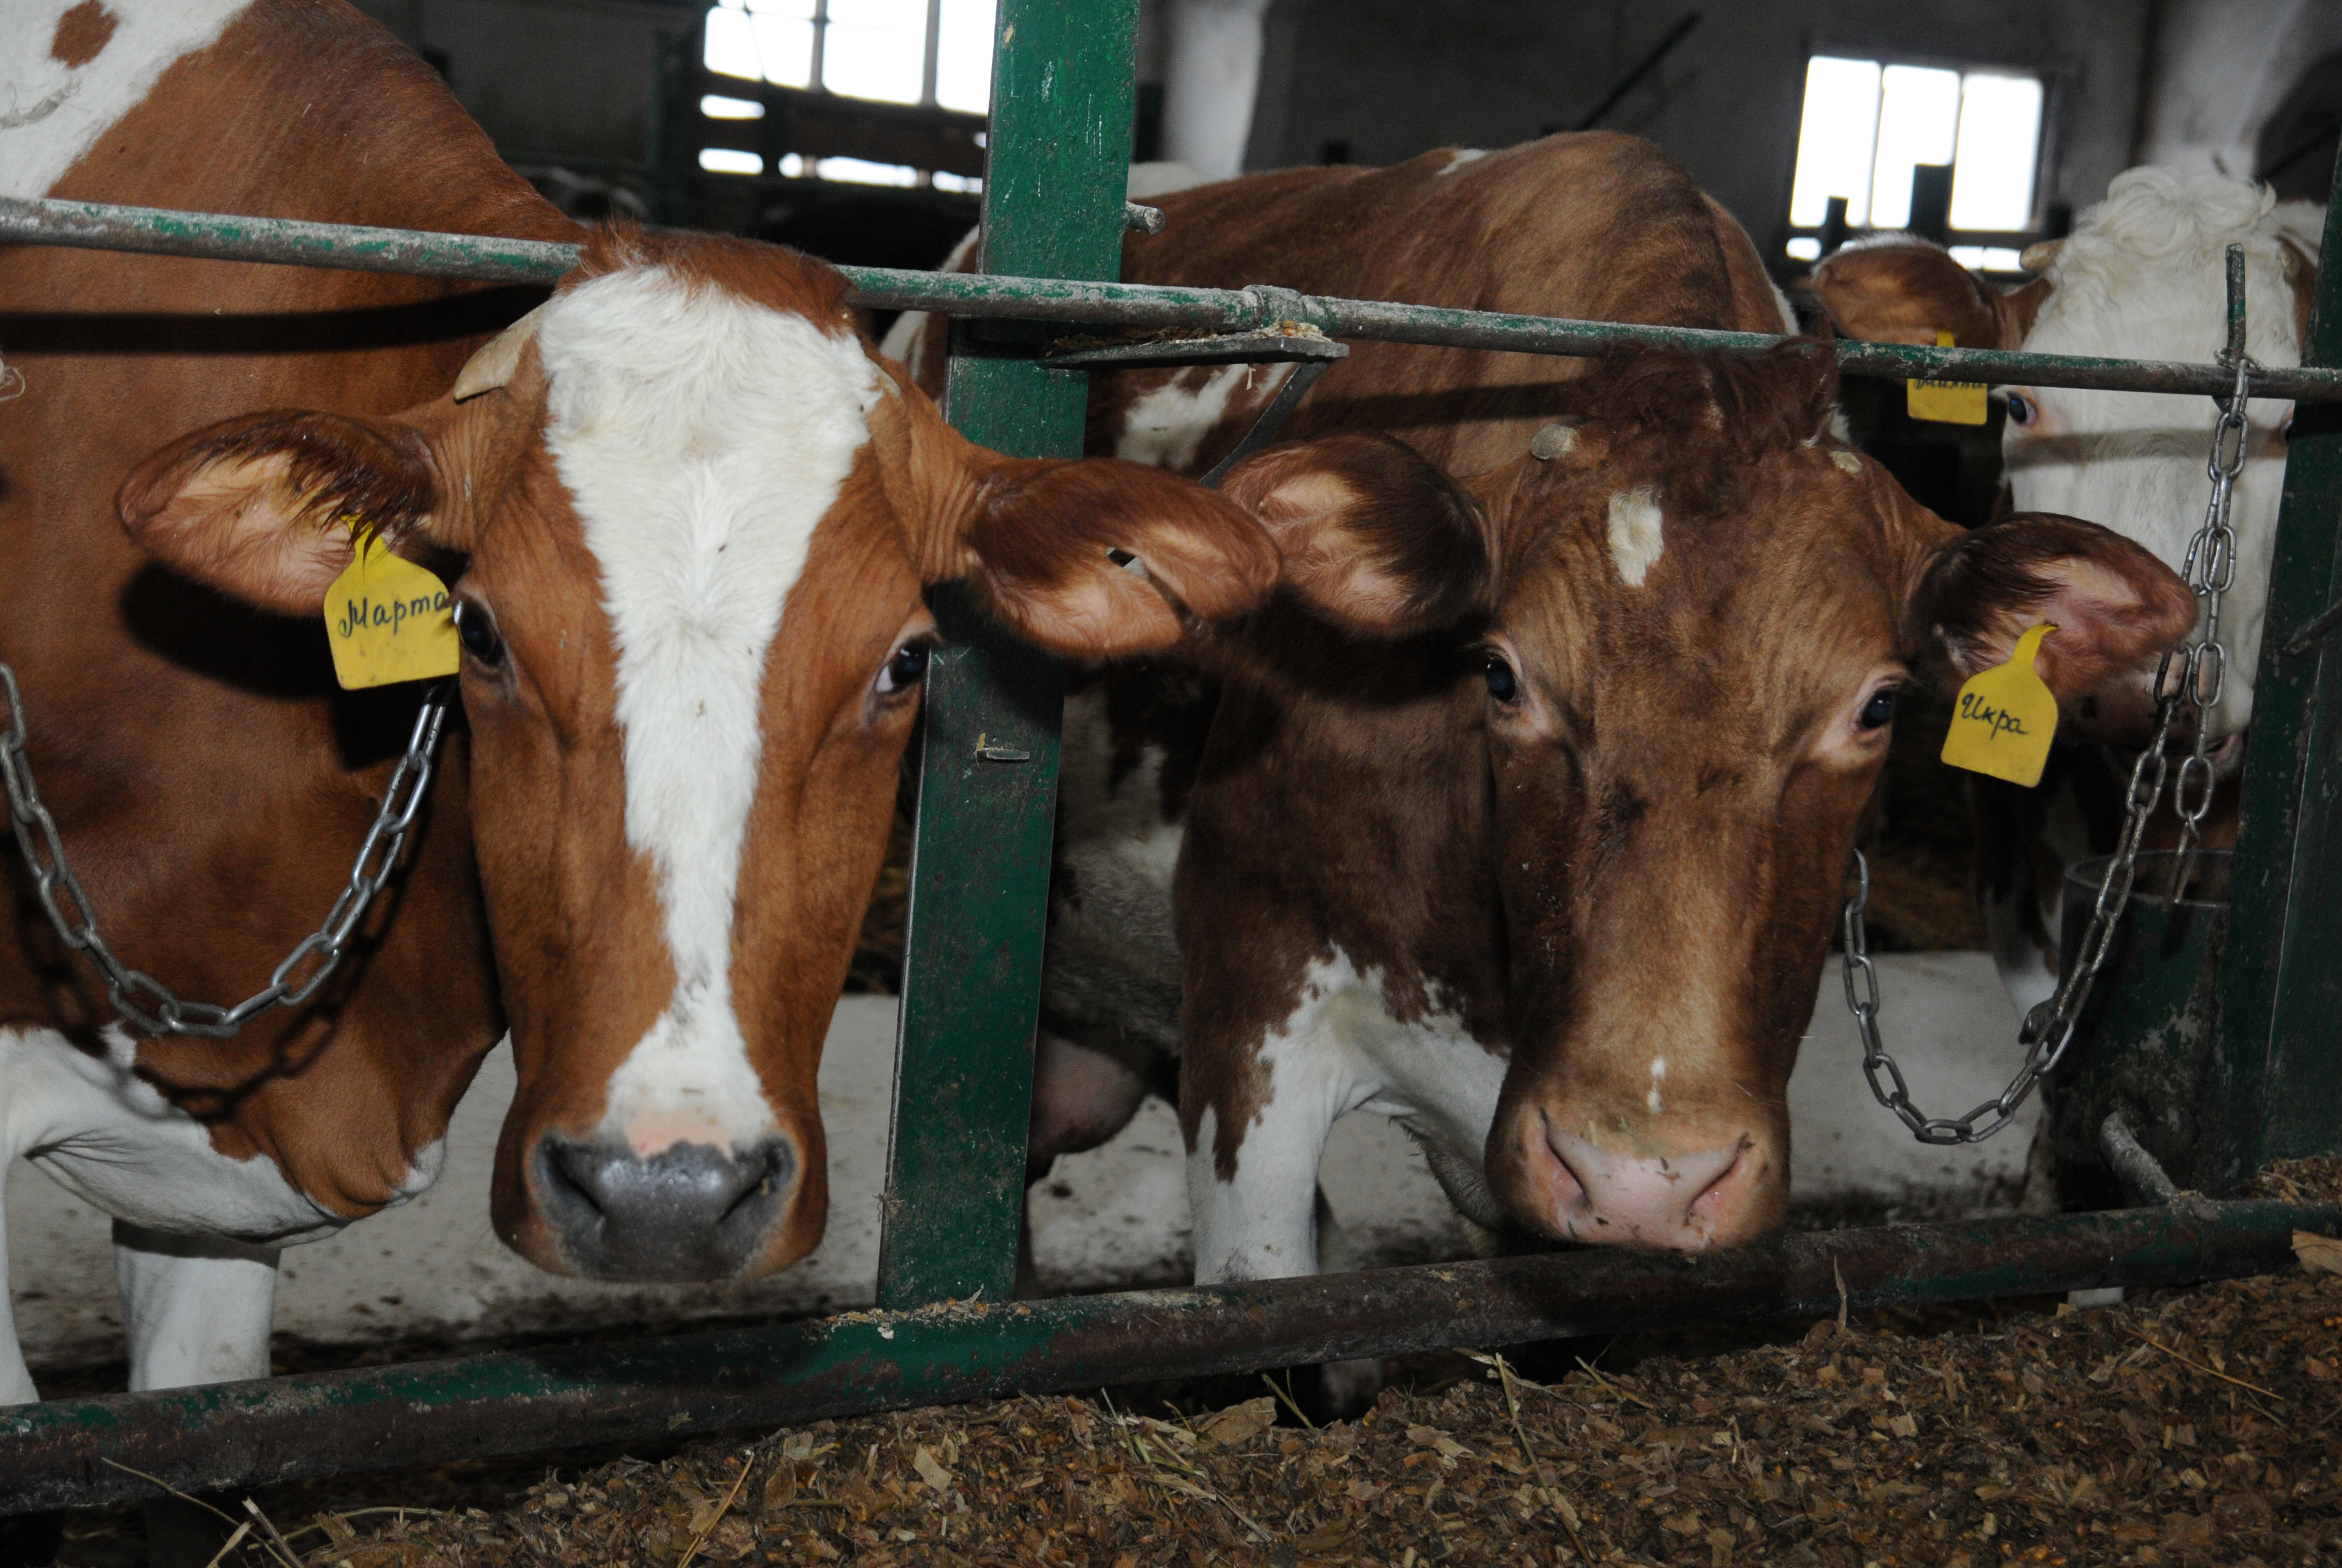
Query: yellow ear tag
2006, 718
1945, 402
387, 618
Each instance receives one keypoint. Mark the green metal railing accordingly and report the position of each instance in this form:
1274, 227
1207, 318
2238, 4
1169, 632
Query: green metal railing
222, 236
1053, 223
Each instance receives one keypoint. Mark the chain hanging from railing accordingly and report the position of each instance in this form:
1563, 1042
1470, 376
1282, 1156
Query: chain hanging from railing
2210, 569
144, 1001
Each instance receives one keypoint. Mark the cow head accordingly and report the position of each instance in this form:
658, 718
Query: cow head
1684, 622
688, 518
2142, 276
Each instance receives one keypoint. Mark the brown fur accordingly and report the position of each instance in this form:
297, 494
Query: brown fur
82, 33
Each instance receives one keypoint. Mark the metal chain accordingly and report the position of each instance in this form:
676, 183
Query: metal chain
2210, 569
145, 1002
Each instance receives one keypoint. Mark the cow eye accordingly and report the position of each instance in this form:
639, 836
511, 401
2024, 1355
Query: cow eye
1502, 685
477, 630
1876, 712
2020, 408
904, 670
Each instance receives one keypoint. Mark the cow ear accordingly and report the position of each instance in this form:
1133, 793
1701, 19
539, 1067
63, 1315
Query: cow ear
254, 506
1375, 537
1100, 557
2117, 609
1904, 289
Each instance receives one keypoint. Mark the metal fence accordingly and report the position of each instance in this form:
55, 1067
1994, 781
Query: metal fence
944, 1329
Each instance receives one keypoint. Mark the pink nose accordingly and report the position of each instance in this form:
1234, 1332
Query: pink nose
1665, 1202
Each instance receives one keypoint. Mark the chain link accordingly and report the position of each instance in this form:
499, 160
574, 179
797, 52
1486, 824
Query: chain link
2210, 569
144, 1001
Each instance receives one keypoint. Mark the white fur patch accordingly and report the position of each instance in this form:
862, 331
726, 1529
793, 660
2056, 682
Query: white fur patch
51, 114
1165, 428
1848, 462
702, 439
1340, 1051
1462, 156
1658, 1076
1636, 539
2142, 276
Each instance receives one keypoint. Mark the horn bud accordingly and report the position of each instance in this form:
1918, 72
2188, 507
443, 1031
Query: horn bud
2035, 257
492, 367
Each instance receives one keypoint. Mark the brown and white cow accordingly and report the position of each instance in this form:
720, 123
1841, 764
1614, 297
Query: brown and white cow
688, 518
1526, 807
2142, 276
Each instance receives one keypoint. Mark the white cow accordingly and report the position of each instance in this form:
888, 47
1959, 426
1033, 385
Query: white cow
2142, 276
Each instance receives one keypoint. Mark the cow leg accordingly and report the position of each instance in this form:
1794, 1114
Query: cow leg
196, 1311
1255, 1199
1345, 1388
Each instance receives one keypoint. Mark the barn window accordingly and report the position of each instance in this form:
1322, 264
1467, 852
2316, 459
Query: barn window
907, 76
1871, 128
936, 52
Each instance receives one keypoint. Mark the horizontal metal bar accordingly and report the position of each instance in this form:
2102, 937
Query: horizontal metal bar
221, 237
68, 1452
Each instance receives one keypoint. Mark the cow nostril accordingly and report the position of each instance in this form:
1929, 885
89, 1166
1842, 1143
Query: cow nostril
689, 1212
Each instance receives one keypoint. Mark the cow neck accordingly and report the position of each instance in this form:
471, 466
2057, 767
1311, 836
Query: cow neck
211, 782
1344, 799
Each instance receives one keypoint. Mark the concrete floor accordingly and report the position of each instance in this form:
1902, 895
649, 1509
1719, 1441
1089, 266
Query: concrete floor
1113, 1218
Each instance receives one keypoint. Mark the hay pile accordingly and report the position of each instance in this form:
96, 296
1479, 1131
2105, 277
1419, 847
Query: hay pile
2198, 1427
2188, 1427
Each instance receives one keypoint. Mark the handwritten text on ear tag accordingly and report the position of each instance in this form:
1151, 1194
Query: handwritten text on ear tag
387, 618
1945, 402
2006, 718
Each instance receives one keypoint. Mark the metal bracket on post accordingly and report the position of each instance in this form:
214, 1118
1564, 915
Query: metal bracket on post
1053, 207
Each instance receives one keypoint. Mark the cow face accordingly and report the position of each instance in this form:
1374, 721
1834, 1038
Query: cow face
1685, 624
688, 518
2143, 276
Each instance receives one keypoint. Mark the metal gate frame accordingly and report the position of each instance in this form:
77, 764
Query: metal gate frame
1052, 220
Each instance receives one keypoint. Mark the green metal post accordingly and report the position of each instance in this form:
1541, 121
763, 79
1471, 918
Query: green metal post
2275, 1085
1052, 198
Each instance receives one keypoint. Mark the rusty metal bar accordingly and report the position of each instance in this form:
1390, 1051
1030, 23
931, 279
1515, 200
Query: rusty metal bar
222, 237
66, 1453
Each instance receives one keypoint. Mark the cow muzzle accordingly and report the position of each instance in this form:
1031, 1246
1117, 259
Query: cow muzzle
1702, 1186
689, 1212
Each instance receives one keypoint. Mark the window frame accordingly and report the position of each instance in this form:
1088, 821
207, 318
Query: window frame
2056, 78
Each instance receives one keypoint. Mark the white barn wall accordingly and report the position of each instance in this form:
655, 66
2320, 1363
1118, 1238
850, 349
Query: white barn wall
2220, 68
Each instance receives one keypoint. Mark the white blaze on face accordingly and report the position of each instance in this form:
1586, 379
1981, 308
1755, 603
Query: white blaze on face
702, 439
1635, 533
52, 113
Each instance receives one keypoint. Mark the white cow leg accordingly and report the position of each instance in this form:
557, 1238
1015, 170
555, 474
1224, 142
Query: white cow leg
196, 1311
15, 1381
1259, 1221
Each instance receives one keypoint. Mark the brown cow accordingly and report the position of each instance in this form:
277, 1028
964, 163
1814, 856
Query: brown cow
1523, 816
688, 517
